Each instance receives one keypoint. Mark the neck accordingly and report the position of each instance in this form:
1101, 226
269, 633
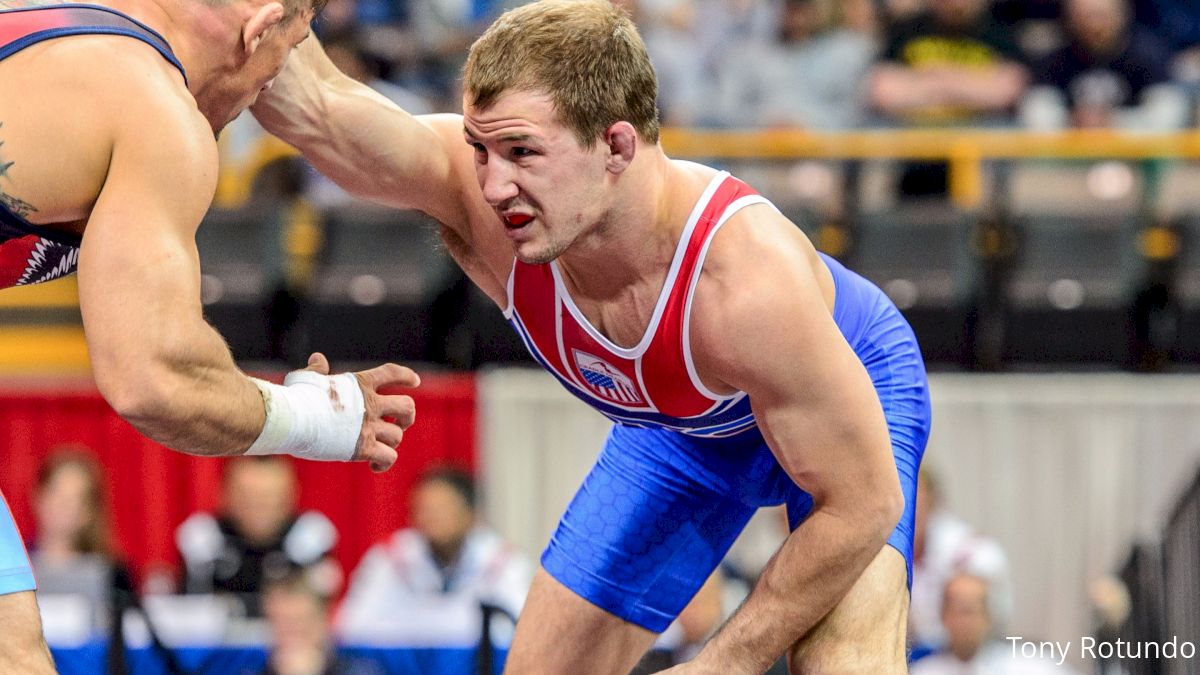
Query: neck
633, 239
56, 547
200, 35
446, 554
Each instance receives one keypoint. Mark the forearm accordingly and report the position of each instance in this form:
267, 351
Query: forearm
188, 394
994, 90
898, 91
807, 577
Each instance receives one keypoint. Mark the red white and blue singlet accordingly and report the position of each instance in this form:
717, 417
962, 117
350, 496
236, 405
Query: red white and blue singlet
684, 469
653, 383
31, 254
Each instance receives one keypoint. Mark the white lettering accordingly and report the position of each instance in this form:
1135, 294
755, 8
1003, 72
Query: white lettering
1187, 650
1063, 654
1014, 641
1087, 647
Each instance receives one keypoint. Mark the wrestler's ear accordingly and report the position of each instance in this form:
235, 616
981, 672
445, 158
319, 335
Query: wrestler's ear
263, 19
620, 140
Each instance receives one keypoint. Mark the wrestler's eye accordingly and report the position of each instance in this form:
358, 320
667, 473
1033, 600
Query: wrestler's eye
522, 152
480, 151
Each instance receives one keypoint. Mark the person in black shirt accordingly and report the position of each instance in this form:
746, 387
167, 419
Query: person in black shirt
1110, 73
952, 65
258, 536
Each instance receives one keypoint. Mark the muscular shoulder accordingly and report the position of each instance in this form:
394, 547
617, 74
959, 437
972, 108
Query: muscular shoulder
760, 276
130, 89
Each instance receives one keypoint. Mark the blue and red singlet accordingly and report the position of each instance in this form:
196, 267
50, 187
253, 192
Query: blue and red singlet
685, 468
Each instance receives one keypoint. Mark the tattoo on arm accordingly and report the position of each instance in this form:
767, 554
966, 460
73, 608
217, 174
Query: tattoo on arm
18, 207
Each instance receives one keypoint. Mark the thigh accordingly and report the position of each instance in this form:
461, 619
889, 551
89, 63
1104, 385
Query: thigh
555, 619
865, 632
650, 523
22, 648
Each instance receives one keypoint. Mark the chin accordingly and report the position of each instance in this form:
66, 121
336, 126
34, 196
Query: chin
532, 254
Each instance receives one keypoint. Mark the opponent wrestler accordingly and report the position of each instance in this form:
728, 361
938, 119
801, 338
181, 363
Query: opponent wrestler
742, 367
108, 162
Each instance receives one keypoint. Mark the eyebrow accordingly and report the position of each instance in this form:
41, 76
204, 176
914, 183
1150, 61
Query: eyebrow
507, 138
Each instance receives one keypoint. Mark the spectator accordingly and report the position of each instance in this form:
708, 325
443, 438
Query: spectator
951, 65
945, 546
298, 616
971, 645
1110, 73
813, 76
73, 552
426, 584
257, 537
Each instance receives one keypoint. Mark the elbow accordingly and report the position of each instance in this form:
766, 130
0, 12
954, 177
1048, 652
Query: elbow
886, 510
141, 397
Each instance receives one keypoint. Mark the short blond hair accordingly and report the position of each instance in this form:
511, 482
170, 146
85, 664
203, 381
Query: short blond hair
585, 54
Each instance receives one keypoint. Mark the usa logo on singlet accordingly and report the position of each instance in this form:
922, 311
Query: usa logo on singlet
605, 380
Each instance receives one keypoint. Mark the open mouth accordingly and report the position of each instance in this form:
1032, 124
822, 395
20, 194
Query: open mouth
515, 221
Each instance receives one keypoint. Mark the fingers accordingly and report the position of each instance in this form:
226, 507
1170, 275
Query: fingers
389, 374
379, 456
389, 434
318, 363
399, 407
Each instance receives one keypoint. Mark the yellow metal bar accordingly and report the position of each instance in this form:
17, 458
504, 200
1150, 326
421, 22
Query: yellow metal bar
929, 144
58, 294
43, 349
966, 176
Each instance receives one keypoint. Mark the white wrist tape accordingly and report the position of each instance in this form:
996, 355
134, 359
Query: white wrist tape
312, 416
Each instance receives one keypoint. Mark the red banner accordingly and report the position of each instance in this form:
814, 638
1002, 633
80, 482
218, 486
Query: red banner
151, 489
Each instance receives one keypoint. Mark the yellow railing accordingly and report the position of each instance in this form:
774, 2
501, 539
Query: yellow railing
964, 150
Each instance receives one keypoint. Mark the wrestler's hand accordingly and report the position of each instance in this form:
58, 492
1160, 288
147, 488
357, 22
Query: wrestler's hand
380, 436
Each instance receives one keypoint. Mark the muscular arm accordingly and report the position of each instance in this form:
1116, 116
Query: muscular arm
819, 413
361, 140
156, 360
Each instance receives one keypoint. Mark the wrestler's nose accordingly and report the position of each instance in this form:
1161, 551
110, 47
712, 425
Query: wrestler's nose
497, 178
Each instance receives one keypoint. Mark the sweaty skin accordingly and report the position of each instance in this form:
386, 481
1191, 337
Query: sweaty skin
511, 180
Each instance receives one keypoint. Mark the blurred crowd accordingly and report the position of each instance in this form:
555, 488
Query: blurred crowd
836, 64
262, 571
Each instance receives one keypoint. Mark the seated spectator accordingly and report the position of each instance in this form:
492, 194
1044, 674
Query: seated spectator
1110, 73
952, 65
258, 536
72, 553
972, 645
813, 76
301, 644
945, 546
426, 584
